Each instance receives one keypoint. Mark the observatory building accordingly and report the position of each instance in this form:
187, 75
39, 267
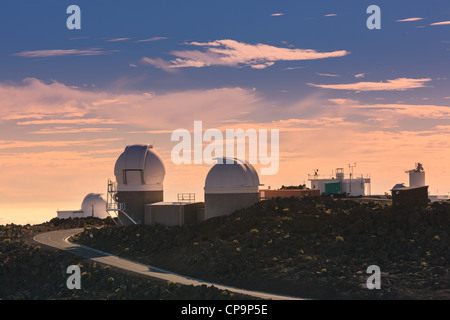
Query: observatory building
230, 185
416, 195
93, 205
139, 172
416, 176
354, 185
416, 190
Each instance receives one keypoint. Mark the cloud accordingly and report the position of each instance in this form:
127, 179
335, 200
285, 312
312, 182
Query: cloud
152, 39
359, 75
403, 110
72, 130
276, 14
16, 144
319, 122
399, 84
292, 68
420, 111
327, 74
69, 121
330, 15
409, 19
118, 39
35, 99
232, 53
61, 52
343, 101
52, 108
158, 63
440, 23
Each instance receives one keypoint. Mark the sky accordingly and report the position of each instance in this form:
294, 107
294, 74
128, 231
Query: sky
338, 92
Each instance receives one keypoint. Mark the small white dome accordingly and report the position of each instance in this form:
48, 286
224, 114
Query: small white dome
94, 206
139, 168
232, 176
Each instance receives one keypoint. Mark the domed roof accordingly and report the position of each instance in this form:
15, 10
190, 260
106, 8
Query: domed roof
232, 176
94, 205
139, 168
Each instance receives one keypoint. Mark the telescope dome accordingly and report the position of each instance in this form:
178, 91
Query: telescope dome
232, 176
139, 168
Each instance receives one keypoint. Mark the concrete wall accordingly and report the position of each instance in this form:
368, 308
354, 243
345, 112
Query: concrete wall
410, 197
135, 202
69, 214
224, 204
173, 214
269, 193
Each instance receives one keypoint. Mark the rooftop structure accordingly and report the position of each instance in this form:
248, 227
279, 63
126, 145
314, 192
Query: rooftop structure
416, 175
352, 185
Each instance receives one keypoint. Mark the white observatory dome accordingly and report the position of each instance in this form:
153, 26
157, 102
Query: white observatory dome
236, 176
139, 168
94, 206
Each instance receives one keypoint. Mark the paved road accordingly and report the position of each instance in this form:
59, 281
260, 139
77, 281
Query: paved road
59, 239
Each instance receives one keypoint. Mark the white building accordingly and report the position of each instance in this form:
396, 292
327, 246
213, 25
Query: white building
231, 184
353, 185
417, 179
93, 205
416, 176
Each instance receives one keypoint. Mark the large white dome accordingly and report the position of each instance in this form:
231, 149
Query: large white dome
139, 168
232, 176
94, 206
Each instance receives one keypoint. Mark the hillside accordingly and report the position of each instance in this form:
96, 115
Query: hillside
313, 248
29, 271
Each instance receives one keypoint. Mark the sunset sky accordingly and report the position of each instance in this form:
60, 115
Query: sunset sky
339, 93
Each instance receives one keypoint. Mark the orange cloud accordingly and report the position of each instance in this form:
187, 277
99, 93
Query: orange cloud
233, 53
70, 121
399, 84
409, 19
14, 144
410, 110
442, 23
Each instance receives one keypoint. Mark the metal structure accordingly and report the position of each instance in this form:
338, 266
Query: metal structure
186, 197
113, 207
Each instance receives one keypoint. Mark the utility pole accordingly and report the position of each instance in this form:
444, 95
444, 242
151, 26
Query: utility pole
351, 173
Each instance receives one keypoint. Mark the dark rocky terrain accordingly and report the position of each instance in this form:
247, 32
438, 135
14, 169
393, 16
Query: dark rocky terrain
29, 271
312, 248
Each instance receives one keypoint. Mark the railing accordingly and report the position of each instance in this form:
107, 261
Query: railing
112, 204
186, 197
322, 176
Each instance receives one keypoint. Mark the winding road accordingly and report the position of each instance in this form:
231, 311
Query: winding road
59, 239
